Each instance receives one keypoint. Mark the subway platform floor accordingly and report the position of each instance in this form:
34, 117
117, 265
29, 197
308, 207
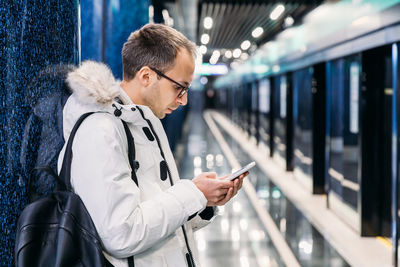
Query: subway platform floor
273, 220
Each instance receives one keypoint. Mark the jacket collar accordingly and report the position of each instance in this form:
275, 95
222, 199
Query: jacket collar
126, 100
94, 85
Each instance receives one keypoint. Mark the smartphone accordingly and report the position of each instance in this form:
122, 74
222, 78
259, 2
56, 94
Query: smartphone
237, 173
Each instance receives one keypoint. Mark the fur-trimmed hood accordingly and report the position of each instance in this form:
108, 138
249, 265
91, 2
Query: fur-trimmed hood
94, 89
94, 83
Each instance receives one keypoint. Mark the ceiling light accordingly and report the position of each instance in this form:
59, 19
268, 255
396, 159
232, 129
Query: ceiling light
203, 49
203, 80
216, 53
199, 59
214, 57
213, 60
276, 68
151, 13
244, 56
277, 12
165, 14
234, 65
261, 69
257, 32
289, 21
245, 45
208, 23
205, 38
236, 53
228, 54
253, 48
169, 22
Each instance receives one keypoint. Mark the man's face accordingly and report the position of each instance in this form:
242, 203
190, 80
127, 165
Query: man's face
162, 96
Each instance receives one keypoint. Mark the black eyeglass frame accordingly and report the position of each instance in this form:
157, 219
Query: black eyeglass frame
184, 89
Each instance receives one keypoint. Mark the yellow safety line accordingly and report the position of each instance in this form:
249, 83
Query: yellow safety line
385, 241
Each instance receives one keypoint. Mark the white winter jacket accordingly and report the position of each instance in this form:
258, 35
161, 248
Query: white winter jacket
143, 221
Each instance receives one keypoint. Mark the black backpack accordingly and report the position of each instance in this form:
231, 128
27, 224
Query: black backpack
57, 230
43, 138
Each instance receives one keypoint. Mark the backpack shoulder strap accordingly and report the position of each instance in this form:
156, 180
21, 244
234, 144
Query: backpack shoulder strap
65, 173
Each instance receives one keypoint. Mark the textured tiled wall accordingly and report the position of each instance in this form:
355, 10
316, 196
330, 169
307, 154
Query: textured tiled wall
34, 35
38, 41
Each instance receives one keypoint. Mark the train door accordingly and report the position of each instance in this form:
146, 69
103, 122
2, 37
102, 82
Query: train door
271, 117
247, 96
343, 145
264, 93
319, 127
237, 104
376, 141
303, 122
279, 141
218, 99
289, 122
254, 111
242, 109
229, 94
395, 153
283, 119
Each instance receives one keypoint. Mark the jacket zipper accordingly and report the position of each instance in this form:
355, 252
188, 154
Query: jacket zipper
189, 256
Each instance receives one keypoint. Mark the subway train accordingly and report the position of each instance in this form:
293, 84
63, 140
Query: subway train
328, 111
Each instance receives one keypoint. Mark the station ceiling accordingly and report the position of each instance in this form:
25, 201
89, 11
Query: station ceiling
233, 21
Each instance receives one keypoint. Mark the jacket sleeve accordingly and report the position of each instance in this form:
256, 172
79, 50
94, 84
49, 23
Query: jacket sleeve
203, 218
101, 176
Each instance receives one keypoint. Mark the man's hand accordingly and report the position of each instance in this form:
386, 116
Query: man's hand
215, 190
218, 191
237, 183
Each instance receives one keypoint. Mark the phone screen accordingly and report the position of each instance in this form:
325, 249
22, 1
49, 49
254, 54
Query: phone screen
237, 173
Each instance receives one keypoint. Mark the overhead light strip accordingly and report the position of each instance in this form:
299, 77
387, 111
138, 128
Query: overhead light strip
277, 12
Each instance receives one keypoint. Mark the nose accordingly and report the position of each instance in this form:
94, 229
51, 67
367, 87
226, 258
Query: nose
182, 101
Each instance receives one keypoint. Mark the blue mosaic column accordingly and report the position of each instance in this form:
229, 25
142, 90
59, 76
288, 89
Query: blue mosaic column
122, 18
34, 35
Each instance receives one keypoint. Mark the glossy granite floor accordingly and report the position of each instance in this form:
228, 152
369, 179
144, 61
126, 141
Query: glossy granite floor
237, 237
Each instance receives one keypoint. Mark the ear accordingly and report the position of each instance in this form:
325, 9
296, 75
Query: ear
145, 76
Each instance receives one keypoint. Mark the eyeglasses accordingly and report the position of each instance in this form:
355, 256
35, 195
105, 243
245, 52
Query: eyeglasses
183, 88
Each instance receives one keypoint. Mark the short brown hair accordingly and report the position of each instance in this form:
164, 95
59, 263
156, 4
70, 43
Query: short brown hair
154, 45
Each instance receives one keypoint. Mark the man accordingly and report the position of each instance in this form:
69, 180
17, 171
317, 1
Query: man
146, 220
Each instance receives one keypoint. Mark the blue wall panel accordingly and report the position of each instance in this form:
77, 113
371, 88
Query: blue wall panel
34, 35
132, 14
92, 20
